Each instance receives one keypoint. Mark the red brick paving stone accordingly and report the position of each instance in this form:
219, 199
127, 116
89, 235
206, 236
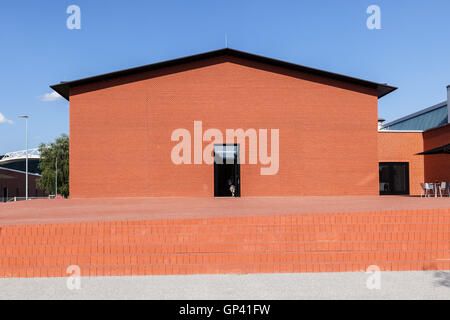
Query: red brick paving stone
140, 209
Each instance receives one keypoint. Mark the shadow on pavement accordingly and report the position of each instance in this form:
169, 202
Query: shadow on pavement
442, 278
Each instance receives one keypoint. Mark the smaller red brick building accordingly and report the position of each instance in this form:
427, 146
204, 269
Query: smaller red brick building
402, 143
403, 147
12, 184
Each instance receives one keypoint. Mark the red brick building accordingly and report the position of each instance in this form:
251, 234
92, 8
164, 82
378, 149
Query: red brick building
12, 184
404, 147
121, 126
401, 143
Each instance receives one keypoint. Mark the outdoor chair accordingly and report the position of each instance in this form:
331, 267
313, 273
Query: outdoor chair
443, 188
427, 189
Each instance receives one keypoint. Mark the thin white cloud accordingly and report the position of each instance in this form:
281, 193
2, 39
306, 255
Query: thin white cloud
4, 120
52, 96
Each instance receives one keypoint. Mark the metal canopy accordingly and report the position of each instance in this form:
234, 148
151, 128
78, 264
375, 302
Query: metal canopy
441, 150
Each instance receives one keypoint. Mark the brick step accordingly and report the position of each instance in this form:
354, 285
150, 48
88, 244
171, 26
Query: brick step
229, 268
223, 247
412, 216
409, 240
243, 228
224, 238
438, 225
409, 216
231, 258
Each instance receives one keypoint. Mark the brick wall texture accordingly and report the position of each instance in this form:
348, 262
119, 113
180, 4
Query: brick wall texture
403, 147
121, 130
437, 167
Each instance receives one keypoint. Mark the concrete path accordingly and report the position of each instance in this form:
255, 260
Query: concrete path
394, 285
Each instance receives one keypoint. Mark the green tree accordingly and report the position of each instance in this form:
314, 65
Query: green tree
49, 153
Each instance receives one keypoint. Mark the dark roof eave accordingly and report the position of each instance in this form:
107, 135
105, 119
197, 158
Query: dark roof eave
63, 88
384, 89
445, 149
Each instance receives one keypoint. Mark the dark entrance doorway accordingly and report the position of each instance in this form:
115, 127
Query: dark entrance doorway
227, 171
394, 178
5, 194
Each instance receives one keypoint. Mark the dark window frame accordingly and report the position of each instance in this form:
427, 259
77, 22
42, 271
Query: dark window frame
407, 178
238, 170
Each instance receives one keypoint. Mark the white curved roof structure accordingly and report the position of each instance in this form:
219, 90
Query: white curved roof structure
20, 155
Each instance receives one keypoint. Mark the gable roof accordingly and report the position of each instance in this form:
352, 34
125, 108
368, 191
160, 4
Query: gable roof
63, 88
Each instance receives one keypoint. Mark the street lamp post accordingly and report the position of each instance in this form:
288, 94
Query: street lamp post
26, 163
56, 177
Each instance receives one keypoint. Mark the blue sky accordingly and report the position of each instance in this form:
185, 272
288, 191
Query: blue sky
411, 51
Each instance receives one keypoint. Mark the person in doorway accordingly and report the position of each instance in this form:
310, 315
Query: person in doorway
231, 186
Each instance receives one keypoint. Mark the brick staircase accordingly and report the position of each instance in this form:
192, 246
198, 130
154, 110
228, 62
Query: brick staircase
331, 242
